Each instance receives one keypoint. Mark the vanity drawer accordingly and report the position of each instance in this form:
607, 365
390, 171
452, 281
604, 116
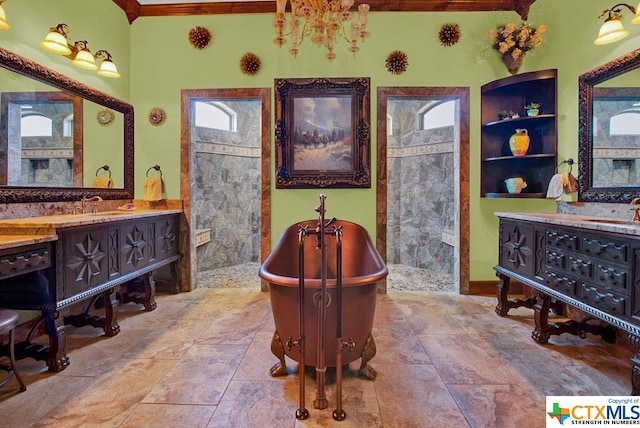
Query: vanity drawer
580, 266
562, 239
605, 248
612, 277
556, 259
561, 282
603, 299
16, 262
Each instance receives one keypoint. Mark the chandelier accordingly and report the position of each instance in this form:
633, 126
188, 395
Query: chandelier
323, 21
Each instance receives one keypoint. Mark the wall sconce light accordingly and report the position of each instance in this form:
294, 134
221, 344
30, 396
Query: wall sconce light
612, 30
78, 52
56, 40
4, 25
107, 68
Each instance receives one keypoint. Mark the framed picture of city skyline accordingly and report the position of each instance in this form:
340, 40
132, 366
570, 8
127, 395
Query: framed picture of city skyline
322, 133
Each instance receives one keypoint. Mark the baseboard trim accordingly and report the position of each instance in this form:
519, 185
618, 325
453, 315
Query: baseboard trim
490, 287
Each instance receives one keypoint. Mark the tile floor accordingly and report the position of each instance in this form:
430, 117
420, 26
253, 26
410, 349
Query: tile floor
202, 359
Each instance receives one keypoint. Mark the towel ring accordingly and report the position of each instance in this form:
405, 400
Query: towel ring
104, 167
568, 162
157, 168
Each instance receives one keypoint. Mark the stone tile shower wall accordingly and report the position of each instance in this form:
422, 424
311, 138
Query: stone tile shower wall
40, 161
421, 191
226, 189
615, 157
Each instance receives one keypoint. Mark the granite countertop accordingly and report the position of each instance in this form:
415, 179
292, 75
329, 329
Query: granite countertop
47, 225
13, 241
627, 227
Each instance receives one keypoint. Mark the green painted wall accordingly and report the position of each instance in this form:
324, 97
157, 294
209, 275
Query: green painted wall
100, 22
162, 62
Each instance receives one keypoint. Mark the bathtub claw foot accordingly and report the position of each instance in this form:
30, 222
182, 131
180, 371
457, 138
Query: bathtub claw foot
280, 368
368, 352
367, 372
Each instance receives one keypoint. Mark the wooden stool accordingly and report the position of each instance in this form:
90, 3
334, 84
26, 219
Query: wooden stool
8, 323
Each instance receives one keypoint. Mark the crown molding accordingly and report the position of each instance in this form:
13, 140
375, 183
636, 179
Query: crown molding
134, 10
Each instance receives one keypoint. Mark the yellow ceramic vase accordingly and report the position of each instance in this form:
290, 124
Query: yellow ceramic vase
519, 142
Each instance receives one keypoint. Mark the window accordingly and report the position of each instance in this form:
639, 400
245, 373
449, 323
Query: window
35, 125
215, 115
627, 122
437, 114
67, 126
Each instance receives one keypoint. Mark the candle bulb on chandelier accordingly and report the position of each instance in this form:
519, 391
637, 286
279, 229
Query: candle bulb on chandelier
323, 22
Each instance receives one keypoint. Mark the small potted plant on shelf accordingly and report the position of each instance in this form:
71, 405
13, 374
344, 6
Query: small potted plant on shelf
532, 109
507, 114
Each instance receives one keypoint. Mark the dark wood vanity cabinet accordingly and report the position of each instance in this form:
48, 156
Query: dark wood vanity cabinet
82, 269
595, 271
95, 257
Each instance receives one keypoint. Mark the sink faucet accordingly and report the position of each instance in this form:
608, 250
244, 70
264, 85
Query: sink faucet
635, 203
84, 201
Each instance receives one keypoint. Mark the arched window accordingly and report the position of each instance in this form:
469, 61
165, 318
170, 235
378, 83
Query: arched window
437, 114
215, 115
627, 122
34, 124
67, 126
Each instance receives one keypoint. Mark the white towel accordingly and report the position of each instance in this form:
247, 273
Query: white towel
555, 189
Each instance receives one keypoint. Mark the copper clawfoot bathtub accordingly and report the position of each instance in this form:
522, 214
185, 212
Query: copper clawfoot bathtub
362, 267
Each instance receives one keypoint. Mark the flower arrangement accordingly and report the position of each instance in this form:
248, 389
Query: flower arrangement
513, 41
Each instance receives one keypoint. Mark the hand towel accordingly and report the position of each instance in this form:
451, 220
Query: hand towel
555, 187
104, 182
152, 189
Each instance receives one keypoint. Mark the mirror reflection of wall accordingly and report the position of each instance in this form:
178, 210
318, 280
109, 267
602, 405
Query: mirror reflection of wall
616, 137
39, 138
81, 141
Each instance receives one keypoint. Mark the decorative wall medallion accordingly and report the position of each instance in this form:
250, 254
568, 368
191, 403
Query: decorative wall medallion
157, 116
105, 117
250, 63
449, 34
397, 62
199, 37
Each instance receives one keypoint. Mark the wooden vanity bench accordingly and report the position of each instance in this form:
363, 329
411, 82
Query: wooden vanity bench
56, 264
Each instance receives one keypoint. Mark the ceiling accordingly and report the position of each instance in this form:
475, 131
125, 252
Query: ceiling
141, 8
145, 2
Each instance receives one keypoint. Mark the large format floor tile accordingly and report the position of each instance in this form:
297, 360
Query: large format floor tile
202, 359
